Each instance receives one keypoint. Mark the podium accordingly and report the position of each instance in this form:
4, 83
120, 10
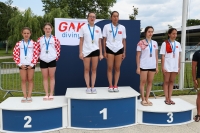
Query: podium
161, 114
36, 116
102, 110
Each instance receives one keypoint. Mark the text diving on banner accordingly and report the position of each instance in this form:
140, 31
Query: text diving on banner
67, 30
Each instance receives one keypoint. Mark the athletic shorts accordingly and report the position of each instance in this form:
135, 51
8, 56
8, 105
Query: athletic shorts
94, 53
27, 66
108, 51
152, 70
47, 65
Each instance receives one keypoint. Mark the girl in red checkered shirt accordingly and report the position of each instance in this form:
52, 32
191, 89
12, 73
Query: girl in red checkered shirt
25, 56
49, 53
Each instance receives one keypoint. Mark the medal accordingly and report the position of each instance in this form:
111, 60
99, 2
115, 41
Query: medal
47, 43
26, 48
114, 34
173, 55
91, 33
150, 47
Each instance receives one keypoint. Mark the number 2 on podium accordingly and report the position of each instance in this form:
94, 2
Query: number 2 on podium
26, 125
104, 112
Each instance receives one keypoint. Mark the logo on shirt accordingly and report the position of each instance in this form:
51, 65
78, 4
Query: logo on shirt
154, 46
96, 31
110, 31
176, 46
119, 32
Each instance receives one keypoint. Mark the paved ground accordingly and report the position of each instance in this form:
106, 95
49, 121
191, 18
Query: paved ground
193, 127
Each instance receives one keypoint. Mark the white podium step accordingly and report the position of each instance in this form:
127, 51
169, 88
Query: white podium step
36, 116
162, 114
102, 110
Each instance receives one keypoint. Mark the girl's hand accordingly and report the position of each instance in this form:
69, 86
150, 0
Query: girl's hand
81, 56
100, 57
138, 71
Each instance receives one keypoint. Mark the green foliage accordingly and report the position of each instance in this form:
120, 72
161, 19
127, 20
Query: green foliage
193, 22
134, 14
5, 14
20, 20
79, 9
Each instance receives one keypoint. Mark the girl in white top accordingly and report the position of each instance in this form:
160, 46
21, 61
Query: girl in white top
114, 49
49, 53
170, 51
25, 56
147, 63
90, 50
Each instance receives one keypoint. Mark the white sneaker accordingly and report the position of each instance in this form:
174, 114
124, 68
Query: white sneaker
110, 89
115, 89
88, 91
23, 100
94, 91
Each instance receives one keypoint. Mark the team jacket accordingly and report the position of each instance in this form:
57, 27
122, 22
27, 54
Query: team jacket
19, 53
53, 49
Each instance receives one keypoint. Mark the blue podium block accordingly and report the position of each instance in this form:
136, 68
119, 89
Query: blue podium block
162, 114
33, 117
102, 110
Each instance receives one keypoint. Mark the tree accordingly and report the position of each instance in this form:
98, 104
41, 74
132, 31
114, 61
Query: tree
55, 13
192, 22
6, 11
20, 20
79, 9
134, 14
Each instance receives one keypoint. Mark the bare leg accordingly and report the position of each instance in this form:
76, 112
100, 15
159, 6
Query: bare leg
52, 79
45, 74
118, 61
149, 83
166, 86
171, 83
86, 62
23, 74
30, 81
94, 68
143, 79
110, 62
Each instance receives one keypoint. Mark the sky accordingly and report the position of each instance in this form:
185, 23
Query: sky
157, 13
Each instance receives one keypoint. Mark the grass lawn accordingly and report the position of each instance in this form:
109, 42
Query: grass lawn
3, 52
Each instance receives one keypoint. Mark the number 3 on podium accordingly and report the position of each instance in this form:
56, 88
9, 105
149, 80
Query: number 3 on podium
104, 112
170, 114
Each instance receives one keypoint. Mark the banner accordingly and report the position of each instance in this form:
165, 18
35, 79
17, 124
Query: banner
67, 30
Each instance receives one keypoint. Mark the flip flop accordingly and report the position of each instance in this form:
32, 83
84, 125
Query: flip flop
51, 98
149, 103
172, 102
167, 102
196, 118
45, 98
144, 103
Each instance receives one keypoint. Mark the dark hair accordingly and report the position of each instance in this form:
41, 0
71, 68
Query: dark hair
90, 13
171, 30
147, 28
26, 28
113, 13
49, 24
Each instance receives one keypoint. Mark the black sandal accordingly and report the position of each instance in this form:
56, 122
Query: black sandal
172, 102
167, 102
197, 118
